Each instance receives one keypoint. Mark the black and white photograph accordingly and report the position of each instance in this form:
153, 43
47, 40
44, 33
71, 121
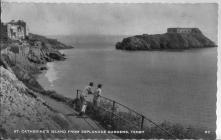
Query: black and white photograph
109, 70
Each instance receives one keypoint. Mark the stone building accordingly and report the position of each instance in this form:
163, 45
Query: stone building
183, 30
15, 30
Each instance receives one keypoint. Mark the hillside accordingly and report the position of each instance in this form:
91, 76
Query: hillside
50, 43
21, 109
28, 58
165, 41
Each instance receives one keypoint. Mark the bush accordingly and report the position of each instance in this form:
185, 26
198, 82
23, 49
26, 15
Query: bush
128, 121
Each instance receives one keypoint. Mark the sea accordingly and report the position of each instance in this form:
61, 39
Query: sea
177, 86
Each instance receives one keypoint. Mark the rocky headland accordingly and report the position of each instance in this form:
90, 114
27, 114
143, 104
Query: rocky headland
28, 57
175, 38
49, 42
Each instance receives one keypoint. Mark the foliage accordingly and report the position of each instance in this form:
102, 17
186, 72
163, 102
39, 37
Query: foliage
14, 49
129, 121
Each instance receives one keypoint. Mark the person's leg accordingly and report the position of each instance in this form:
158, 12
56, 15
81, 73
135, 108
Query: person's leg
84, 109
82, 104
98, 102
95, 108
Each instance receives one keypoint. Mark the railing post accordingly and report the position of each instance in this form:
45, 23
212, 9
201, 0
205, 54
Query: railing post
142, 122
77, 93
77, 104
113, 107
112, 116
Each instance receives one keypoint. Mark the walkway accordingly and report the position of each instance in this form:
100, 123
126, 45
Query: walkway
75, 122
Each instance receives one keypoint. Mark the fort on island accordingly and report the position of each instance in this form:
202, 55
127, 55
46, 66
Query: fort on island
183, 30
14, 30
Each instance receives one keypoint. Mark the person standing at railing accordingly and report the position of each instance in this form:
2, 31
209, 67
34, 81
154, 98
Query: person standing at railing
87, 90
97, 94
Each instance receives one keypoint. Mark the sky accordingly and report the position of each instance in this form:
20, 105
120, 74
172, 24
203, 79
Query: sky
112, 19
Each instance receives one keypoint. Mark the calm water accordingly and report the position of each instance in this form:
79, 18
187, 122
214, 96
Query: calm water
163, 85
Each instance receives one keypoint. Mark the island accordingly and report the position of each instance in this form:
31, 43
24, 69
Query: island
174, 38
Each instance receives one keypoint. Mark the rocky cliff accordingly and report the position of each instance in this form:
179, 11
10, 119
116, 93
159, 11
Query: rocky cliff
21, 109
27, 58
165, 41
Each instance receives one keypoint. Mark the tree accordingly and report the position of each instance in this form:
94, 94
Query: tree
15, 50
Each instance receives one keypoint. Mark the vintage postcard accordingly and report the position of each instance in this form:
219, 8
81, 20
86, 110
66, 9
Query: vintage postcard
110, 70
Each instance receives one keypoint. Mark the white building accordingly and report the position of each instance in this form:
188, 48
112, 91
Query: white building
16, 30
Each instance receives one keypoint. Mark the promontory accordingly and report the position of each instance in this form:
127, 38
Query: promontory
174, 38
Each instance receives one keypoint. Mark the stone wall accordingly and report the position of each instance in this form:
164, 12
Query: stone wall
183, 30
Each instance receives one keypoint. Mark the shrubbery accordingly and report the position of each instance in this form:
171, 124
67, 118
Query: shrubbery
128, 121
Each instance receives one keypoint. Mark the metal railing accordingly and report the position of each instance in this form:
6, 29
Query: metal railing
117, 116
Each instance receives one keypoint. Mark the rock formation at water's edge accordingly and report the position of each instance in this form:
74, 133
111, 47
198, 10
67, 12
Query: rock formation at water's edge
175, 38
